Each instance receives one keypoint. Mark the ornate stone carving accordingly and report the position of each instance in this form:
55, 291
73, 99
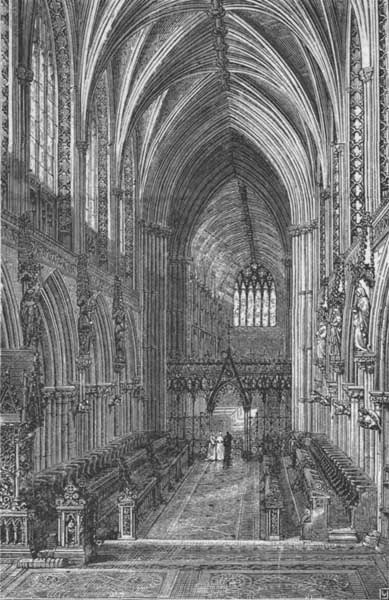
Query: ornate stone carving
128, 213
336, 296
366, 360
85, 302
102, 175
337, 154
363, 268
29, 274
4, 91
357, 130
119, 318
369, 419
361, 317
63, 60
383, 28
323, 325
296, 230
324, 198
71, 515
35, 402
217, 13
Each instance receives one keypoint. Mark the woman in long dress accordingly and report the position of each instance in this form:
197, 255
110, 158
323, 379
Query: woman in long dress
220, 447
211, 454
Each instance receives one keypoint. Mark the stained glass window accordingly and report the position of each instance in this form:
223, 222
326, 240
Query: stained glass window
43, 103
255, 302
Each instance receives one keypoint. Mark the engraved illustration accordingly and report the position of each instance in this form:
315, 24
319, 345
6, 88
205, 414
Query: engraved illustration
194, 299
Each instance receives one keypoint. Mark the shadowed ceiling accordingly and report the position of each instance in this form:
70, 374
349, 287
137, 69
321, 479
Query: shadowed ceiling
217, 92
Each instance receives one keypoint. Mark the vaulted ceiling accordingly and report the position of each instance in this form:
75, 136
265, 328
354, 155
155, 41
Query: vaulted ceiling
217, 92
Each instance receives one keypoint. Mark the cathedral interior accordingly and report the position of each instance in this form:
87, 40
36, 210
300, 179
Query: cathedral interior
194, 241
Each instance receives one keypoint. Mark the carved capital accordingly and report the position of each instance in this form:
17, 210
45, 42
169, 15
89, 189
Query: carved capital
380, 398
296, 230
355, 393
82, 146
366, 361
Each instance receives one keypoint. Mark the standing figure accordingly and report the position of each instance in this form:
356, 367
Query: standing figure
321, 342
336, 331
220, 446
211, 455
361, 316
227, 446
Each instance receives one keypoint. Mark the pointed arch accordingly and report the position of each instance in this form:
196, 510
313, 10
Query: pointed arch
59, 331
11, 331
379, 321
132, 347
102, 351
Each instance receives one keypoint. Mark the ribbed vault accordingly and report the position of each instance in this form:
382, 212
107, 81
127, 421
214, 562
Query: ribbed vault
215, 92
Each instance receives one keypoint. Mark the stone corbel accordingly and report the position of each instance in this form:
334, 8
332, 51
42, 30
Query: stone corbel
355, 393
380, 400
370, 419
316, 396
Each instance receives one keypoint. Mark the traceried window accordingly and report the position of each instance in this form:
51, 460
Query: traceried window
91, 177
255, 298
43, 103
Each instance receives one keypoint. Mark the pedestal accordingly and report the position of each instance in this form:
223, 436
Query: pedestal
127, 515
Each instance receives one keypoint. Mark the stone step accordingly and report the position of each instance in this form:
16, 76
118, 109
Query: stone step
343, 535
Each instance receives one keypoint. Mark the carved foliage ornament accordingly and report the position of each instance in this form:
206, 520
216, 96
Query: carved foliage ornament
63, 61
119, 318
383, 32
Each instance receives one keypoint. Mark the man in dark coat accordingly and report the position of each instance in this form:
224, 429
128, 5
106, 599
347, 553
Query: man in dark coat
227, 446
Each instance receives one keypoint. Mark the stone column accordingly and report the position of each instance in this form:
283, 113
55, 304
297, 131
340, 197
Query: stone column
366, 363
372, 162
302, 311
380, 402
25, 77
79, 217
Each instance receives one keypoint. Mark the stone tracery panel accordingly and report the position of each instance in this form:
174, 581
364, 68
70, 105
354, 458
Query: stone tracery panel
63, 60
357, 126
383, 32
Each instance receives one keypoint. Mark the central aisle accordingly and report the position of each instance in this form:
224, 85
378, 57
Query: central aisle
216, 501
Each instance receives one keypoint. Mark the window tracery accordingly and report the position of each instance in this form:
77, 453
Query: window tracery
255, 299
43, 103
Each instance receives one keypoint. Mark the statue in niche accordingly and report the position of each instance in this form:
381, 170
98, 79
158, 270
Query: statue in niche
85, 329
321, 344
119, 335
29, 313
361, 316
335, 331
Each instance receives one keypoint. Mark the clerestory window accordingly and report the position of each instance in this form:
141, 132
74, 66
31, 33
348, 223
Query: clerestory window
255, 298
43, 103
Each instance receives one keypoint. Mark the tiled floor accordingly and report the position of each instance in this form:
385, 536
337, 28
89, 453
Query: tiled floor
206, 544
218, 501
240, 570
